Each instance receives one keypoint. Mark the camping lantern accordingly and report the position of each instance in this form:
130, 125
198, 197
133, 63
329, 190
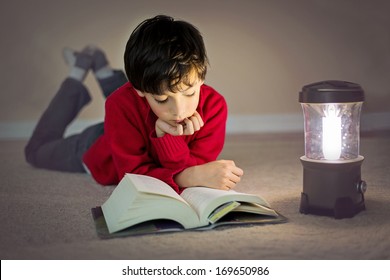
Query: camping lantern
332, 182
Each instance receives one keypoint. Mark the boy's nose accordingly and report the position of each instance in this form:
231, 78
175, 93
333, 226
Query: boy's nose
178, 109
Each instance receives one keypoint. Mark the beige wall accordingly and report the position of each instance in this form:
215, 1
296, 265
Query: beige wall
261, 52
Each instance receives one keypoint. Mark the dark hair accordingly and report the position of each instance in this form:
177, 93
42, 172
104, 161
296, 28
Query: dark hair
162, 53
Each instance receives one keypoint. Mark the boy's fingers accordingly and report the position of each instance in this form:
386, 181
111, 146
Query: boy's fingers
189, 129
234, 178
178, 130
195, 122
230, 184
238, 171
190, 125
199, 118
167, 128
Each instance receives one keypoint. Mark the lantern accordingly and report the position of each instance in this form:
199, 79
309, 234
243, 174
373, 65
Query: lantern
332, 182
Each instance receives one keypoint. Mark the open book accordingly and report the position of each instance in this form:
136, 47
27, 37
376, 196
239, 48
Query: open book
139, 199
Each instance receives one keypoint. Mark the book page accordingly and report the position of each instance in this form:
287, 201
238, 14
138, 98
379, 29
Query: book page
200, 197
222, 210
256, 209
139, 198
147, 184
205, 200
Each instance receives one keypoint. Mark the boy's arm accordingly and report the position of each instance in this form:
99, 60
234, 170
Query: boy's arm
220, 174
125, 135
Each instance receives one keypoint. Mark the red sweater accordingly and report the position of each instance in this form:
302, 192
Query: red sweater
129, 143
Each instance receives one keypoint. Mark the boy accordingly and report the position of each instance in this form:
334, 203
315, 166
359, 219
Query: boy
163, 123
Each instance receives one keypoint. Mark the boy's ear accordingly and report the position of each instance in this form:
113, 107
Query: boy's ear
140, 93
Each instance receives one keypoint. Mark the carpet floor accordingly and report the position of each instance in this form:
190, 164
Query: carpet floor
46, 214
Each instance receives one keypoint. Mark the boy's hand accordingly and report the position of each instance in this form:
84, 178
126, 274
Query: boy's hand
220, 174
187, 127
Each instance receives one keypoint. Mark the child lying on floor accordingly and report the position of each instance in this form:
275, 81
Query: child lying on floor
163, 122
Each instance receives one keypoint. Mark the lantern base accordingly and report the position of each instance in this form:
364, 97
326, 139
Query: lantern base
332, 188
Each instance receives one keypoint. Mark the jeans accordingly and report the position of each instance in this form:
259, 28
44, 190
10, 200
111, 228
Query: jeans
47, 147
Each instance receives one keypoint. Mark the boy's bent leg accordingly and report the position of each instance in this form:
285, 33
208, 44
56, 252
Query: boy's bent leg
65, 154
62, 110
109, 84
108, 78
60, 155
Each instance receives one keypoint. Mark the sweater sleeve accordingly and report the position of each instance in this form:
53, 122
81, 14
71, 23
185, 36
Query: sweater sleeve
128, 147
208, 142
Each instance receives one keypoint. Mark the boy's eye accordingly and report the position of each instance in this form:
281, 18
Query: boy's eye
161, 101
192, 94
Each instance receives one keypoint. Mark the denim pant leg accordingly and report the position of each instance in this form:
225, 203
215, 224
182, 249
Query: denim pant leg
108, 85
47, 147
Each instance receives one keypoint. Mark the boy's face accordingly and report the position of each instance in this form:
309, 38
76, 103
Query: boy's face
174, 107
